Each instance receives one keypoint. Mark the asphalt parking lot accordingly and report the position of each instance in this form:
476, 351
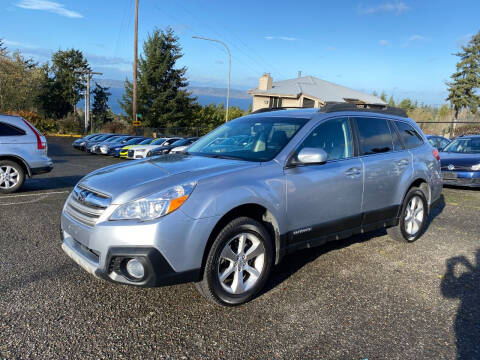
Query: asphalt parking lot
367, 297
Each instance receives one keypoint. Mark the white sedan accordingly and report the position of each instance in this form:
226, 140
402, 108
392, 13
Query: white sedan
144, 151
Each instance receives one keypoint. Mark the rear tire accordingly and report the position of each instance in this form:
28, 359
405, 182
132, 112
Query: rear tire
238, 263
12, 176
413, 217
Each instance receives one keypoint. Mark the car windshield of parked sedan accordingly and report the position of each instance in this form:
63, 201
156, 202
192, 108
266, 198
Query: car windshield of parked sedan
159, 141
249, 138
133, 141
464, 145
146, 142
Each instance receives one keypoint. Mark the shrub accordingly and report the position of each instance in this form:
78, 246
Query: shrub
44, 125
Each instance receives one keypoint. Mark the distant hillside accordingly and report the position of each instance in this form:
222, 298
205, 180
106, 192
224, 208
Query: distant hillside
205, 95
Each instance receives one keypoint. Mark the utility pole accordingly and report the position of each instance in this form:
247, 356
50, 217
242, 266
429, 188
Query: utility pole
229, 67
135, 54
88, 73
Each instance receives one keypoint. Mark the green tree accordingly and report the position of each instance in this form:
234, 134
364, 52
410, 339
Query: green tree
162, 98
20, 83
100, 104
3, 49
465, 81
383, 96
64, 82
391, 102
406, 104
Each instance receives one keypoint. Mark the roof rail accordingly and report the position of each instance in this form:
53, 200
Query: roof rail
376, 108
276, 108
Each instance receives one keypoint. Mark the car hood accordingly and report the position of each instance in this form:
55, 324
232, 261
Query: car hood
459, 159
129, 181
148, 147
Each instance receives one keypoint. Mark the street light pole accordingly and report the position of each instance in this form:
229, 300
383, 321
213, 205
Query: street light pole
135, 54
229, 68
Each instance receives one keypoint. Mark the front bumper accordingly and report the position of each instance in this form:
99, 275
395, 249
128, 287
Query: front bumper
461, 178
171, 248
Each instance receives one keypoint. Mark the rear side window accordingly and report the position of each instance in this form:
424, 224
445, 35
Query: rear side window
374, 136
411, 138
10, 130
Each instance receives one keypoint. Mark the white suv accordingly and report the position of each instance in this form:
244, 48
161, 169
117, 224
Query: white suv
23, 152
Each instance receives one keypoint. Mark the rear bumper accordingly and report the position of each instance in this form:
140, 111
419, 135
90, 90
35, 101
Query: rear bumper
41, 170
462, 178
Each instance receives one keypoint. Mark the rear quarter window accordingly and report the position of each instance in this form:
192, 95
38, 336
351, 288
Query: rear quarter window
411, 138
10, 130
374, 136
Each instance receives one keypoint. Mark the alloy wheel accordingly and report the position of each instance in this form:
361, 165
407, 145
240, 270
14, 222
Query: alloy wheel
9, 177
241, 263
414, 215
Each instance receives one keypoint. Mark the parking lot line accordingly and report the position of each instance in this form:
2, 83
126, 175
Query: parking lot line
38, 197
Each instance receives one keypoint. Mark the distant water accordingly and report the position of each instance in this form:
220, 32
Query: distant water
202, 99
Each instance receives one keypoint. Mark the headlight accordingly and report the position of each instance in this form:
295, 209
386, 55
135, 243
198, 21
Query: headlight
154, 206
476, 167
82, 143
104, 148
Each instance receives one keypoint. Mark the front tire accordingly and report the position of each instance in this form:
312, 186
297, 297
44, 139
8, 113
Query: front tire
12, 176
413, 217
238, 263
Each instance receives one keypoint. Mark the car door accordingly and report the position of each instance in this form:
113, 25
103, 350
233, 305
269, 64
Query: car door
386, 164
325, 199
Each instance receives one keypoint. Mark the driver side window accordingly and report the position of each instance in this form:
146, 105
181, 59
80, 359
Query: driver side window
333, 136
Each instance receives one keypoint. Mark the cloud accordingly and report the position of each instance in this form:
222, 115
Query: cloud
331, 48
396, 7
284, 38
414, 39
463, 40
50, 6
383, 42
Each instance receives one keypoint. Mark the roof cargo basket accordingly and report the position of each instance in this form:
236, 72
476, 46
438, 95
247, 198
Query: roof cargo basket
376, 108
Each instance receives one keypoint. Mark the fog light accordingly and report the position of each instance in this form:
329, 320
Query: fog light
135, 269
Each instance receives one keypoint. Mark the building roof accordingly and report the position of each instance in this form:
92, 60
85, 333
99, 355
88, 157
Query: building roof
317, 88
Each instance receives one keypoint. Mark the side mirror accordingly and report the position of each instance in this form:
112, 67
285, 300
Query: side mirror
309, 156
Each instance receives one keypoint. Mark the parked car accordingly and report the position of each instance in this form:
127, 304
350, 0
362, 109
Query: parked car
23, 153
437, 141
92, 147
184, 143
222, 219
96, 140
141, 152
124, 151
79, 144
114, 149
104, 147
461, 162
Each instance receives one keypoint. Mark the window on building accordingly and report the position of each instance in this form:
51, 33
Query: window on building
275, 102
308, 103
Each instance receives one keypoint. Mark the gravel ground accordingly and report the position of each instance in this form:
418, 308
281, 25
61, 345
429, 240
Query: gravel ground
367, 297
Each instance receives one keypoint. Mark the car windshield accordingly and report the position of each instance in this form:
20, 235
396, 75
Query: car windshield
464, 145
248, 138
133, 141
158, 141
146, 142
114, 139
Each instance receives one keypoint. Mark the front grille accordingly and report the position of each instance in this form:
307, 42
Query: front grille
86, 205
130, 153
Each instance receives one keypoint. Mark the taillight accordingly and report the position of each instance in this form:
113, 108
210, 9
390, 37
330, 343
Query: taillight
40, 145
436, 154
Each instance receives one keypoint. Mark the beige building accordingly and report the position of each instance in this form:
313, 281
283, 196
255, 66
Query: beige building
306, 91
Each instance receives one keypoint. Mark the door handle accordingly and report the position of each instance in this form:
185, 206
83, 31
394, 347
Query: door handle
352, 172
402, 162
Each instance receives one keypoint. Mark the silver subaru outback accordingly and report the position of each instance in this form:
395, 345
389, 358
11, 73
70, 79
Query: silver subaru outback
257, 188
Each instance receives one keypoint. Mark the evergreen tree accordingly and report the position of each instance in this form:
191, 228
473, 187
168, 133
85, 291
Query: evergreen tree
3, 49
162, 98
466, 79
100, 104
391, 102
383, 96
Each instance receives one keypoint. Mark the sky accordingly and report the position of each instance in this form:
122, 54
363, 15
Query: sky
405, 48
